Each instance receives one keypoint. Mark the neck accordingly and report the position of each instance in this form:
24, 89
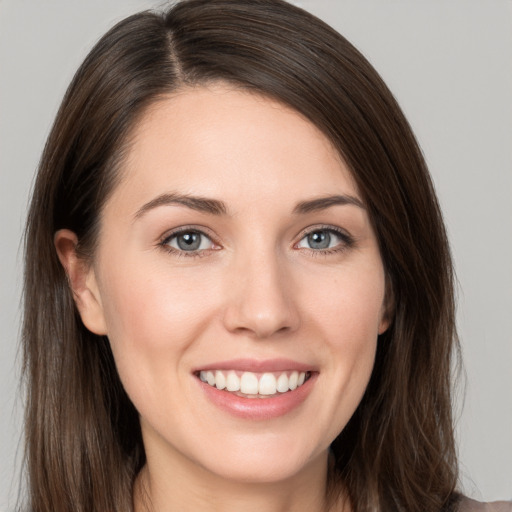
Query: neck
189, 488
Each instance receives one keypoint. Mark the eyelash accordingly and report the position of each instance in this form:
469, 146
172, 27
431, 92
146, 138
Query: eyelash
347, 241
166, 239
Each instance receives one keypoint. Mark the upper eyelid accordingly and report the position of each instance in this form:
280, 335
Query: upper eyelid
346, 240
164, 242
323, 227
209, 234
186, 229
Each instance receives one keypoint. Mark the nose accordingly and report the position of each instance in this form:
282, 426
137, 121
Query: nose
261, 300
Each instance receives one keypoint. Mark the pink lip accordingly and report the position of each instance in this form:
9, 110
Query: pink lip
258, 409
255, 366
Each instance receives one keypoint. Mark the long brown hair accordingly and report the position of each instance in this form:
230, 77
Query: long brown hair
83, 439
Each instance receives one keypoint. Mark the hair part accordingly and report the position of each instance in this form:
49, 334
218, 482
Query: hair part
84, 445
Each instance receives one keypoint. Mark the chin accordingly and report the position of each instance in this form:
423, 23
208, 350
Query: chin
259, 463
262, 472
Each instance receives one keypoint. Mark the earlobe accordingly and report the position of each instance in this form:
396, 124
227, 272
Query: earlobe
384, 324
82, 281
388, 309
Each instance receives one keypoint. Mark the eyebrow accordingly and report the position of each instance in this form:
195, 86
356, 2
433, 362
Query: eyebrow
323, 203
216, 207
200, 204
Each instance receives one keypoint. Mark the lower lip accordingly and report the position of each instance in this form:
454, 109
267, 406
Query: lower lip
259, 408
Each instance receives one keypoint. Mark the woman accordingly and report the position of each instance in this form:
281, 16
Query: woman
238, 287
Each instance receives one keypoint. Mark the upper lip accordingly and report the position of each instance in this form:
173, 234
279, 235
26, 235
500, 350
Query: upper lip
257, 366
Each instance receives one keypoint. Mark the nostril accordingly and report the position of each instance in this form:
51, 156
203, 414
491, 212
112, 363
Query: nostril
259, 301
245, 320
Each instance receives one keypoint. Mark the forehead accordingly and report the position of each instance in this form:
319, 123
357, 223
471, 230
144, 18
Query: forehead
222, 141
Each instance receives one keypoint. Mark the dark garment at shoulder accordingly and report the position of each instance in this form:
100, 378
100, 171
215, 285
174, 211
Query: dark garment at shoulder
469, 505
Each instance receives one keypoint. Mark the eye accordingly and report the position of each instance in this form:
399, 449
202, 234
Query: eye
188, 241
324, 239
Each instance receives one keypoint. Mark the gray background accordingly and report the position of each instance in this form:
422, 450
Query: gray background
449, 65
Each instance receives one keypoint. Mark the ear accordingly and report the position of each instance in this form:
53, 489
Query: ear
388, 309
82, 280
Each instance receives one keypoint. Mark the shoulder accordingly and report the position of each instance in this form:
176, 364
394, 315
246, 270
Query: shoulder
469, 505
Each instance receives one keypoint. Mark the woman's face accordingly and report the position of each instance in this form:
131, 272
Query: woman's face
236, 250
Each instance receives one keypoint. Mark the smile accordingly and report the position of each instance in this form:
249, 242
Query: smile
254, 385
232, 385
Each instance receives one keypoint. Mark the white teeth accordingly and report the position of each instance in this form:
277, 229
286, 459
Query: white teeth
249, 384
292, 381
267, 384
210, 378
220, 380
232, 382
282, 383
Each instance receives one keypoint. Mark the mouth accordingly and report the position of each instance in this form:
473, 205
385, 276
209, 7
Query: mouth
283, 386
248, 384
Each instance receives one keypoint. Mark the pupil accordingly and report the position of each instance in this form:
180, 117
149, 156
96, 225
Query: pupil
319, 240
189, 241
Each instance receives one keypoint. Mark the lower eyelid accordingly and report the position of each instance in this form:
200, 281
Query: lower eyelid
345, 242
345, 239
180, 253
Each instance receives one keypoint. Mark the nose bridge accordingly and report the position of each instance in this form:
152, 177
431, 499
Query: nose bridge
260, 299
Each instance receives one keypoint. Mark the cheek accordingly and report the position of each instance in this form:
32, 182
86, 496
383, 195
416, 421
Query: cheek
349, 306
348, 316
143, 300
152, 318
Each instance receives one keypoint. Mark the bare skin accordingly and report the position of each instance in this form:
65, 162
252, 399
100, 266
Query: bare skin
286, 267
